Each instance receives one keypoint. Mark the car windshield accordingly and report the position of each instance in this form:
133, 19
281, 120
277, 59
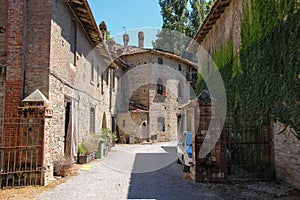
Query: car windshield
189, 139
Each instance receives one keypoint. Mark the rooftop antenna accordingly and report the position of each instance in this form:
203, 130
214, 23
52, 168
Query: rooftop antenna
124, 27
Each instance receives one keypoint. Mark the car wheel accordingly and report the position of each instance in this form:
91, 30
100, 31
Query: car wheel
184, 167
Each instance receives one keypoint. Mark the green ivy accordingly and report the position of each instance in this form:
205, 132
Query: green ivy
224, 54
264, 78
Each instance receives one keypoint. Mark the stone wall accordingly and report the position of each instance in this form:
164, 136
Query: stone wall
130, 125
287, 151
145, 69
77, 81
227, 27
286, 146
38, 38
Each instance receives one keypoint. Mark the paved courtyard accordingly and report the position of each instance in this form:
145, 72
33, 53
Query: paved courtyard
150, 172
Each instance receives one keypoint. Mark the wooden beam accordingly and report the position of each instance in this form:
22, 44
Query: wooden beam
77, 2
81, 9
85, 19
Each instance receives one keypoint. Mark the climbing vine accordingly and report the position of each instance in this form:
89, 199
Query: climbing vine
264, 78
224, 54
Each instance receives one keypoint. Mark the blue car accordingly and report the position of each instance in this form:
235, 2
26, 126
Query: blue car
185, 150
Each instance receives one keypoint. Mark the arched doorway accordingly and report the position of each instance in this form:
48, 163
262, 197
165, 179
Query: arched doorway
144, 131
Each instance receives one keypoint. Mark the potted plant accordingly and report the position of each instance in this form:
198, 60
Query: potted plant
87, 148
114, 138
109, 137
63, 166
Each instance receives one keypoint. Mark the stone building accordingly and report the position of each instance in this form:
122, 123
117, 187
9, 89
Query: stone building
280, 151
53, 53
153, 85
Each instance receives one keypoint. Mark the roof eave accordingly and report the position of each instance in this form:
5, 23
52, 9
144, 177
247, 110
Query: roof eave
83, 12
212, 17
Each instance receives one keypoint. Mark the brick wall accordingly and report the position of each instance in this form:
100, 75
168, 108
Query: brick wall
3, 35
287, 151
38, 21
3, 51
212, 167
14, 87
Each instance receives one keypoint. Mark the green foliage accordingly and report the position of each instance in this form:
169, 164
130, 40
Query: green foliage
263, 79
199, 9
270, 60
107, 35
108, 135
90, 144
82, 149
180, 25
223, 55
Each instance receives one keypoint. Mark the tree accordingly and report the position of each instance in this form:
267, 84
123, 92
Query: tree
175, 20
180, 25
175, 14
200, 8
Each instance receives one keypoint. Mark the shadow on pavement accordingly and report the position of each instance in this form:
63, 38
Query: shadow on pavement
163, 183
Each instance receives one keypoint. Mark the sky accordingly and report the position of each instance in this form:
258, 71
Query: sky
135, 15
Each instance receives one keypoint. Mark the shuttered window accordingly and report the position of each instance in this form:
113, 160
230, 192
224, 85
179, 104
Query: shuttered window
92, 120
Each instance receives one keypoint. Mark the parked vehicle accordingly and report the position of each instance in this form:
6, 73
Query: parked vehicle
185, 150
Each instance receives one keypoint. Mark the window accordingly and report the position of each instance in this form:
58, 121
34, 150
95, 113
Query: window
92, 70
118, 84
73, 42
179, 90
92, 120
107, 77
102, 84
160, 61
98, 76
161, 124
179, 67
113, 80
160, 87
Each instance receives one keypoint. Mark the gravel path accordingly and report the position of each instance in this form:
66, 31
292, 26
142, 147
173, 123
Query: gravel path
150, 172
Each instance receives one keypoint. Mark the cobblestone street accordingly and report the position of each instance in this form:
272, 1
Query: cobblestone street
150, 172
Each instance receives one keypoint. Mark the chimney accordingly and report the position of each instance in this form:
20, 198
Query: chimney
125, 40
141, 39
103, 30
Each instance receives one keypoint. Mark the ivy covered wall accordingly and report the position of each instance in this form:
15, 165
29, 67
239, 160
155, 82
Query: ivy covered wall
264, 77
